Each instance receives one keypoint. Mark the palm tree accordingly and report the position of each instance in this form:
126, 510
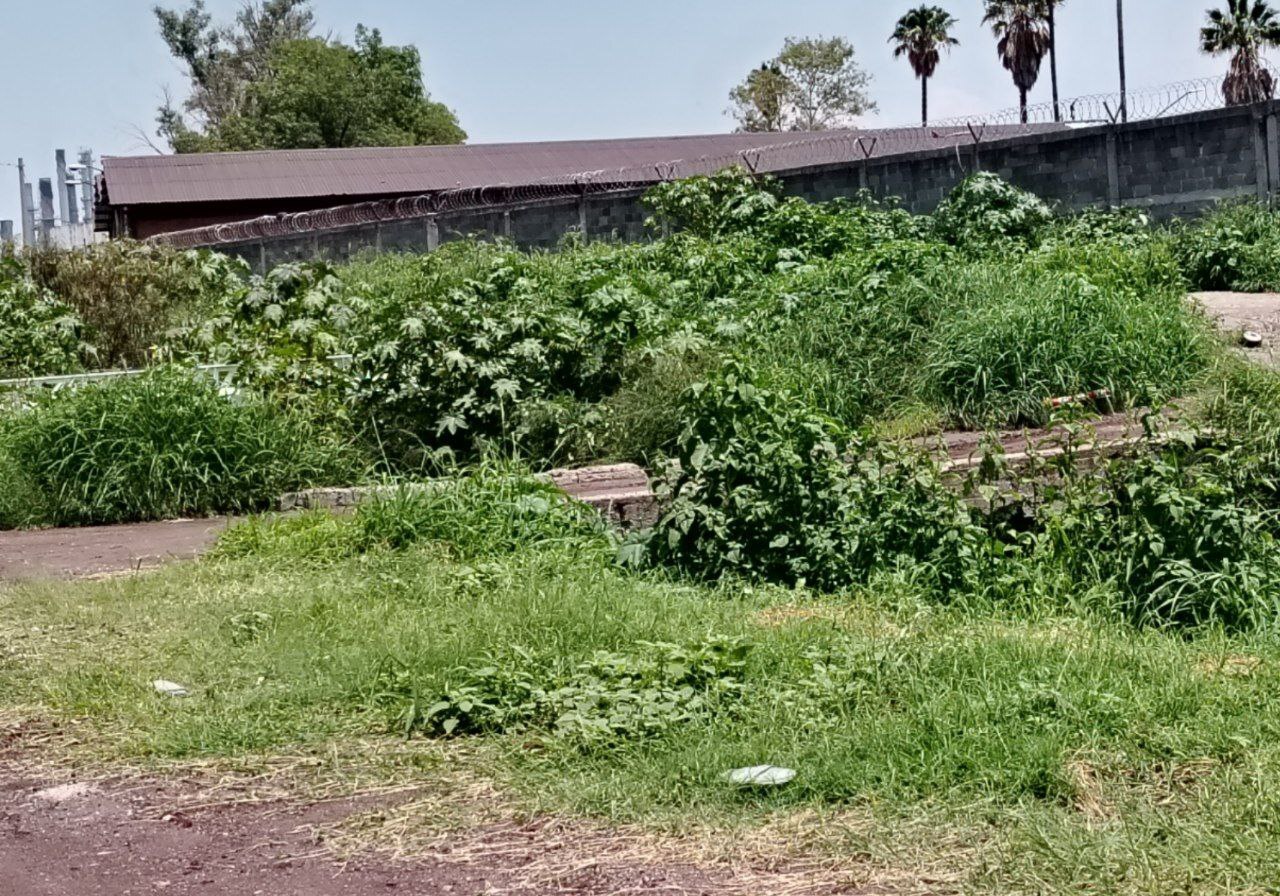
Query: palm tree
1053, 55
920, 36
1243, 28
1023, 40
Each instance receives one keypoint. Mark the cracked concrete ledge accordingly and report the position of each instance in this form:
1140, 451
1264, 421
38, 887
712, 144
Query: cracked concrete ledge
620, 491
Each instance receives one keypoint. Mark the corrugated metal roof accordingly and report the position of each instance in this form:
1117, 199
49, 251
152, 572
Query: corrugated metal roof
293, 174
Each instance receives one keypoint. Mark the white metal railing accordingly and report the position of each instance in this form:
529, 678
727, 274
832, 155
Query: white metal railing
223, 376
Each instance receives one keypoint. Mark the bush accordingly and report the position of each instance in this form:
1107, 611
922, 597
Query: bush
769, 490
456, 343
130, 295
1236, 248
709, 206
984, 212
284, 330
1178, 537
38, 334
167, 444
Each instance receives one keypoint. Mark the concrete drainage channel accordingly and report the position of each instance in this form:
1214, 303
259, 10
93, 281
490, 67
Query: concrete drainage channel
620, 491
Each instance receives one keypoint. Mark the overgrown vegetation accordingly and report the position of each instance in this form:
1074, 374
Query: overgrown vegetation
1022, 660
164, 445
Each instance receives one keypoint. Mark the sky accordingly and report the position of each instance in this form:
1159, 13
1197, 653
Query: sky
90, 73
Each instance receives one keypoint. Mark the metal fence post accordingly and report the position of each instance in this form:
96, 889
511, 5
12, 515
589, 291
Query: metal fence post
1113, 168
1273, 153
1262, 180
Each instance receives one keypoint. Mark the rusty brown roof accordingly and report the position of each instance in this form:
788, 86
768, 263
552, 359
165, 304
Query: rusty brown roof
304, 173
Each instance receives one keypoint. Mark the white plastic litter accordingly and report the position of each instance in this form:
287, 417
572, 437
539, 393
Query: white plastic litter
1252, 339
761, 776
171, 689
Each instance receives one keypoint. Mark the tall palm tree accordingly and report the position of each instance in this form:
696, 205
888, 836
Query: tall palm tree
1053, 55
1023, 40
921, 35
1243, 28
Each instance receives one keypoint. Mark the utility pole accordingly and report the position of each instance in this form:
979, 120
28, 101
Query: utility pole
1053, 60
1124, 92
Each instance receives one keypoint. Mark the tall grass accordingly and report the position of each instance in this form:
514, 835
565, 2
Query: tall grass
164, 445
1013, 336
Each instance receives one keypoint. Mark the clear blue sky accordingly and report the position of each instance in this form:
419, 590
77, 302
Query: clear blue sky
77, 73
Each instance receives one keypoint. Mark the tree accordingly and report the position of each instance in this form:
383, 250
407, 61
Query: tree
760, 101
1022, 33
265, 83
1243, 29
920, 35
324, 94
222, 61
814, 84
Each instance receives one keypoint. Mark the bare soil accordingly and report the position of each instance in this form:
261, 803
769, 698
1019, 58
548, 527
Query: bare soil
127, 837
1236, 312
103, 550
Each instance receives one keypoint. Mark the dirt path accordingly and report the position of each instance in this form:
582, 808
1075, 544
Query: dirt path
125, 838
1237, 312
208, 832
103, 550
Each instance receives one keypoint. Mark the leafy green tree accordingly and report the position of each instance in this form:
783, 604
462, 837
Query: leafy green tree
759, 103
222, 61
1244, 28
921, 35
1022, 32
265, 83
814, 84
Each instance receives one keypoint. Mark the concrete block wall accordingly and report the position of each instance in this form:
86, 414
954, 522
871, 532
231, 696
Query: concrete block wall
1169, 166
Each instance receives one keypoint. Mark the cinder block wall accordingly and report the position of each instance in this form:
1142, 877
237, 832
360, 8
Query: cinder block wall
1172, 166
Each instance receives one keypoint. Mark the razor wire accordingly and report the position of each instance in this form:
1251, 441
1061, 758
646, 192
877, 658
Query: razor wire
835, 147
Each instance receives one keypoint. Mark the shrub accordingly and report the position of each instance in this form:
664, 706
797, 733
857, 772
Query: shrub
1236, 247
1178, 537
709, 206
284, 330
767, 489
985, 211
607, 700
1128, 228
38, 334
167, 444
449, 361
130, 295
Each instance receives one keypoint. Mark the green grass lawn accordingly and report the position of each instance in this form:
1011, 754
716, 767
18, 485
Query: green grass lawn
1006, 753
